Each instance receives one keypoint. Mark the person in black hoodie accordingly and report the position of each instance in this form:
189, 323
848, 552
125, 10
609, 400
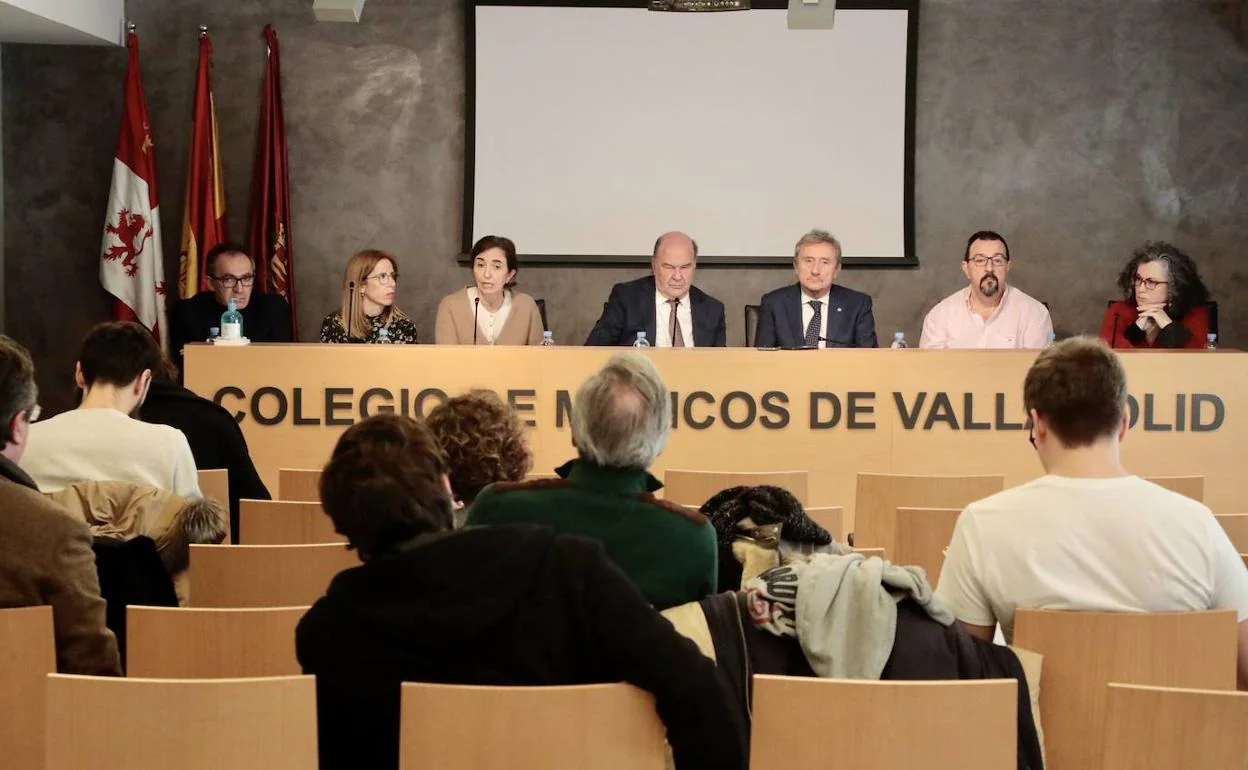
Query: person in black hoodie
215, 438
500, 605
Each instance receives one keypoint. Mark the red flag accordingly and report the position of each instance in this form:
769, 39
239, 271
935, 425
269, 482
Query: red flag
131, 266
270, 234
203, 217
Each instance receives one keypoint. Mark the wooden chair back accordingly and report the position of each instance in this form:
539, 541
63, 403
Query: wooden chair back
922, 536
831, 518
456, 727
264, 575
879, 495
299, 485
869, 552
112, 723
1084, 651
1189, 486
215, 484
685, 487
873, 725
283, 522
1161, 728
27, 656
200, 643
1236, 526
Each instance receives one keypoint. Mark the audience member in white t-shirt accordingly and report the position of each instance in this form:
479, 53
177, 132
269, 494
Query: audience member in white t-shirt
100, 441
1089, 535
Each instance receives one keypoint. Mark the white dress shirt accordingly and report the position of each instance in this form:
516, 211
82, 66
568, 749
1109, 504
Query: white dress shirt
490, 323
808, 313
663, 321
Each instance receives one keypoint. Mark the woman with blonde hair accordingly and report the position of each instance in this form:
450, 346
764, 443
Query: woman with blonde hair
368, 313
489, 311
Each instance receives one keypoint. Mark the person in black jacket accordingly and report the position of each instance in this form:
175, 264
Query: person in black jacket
232, 275
215, 438
501, 605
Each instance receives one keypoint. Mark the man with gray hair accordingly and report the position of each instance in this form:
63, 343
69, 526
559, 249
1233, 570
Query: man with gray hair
46, 554
814, 312
620, 421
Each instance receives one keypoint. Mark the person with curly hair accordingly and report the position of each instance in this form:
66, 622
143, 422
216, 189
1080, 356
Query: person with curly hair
1164, 302
483, 441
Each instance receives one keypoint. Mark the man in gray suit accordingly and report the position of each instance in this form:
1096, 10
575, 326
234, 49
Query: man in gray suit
814, 312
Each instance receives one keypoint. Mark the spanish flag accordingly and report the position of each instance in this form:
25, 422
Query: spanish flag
203, 217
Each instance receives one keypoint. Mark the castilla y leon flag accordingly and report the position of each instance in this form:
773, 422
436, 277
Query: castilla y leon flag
203, 222
270, 236
131, 267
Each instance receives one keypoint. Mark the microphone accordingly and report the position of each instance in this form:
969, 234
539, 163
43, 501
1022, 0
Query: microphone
1113, 337
350, 307
476, 306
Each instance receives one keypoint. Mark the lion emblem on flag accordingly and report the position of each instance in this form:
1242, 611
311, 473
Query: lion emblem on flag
133, 232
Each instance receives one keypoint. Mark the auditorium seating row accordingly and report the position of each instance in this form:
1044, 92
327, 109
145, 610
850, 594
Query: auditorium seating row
247, 599
1118, 691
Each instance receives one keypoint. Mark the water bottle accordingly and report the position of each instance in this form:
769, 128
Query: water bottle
231, 323
548, 339
1211, 341
1048, 342
641, 342
899, 341
383, 336
213, 333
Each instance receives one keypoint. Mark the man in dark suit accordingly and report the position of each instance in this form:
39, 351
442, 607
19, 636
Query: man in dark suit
814, 312
232, 273
665, 305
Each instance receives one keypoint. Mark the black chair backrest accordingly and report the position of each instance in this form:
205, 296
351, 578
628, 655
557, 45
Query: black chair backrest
751, 324
131, 572
541, 309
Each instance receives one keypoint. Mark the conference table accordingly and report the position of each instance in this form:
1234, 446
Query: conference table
834, 413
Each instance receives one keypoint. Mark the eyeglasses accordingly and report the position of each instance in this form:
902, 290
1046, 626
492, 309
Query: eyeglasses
981, 261
230, 281
32, 414
1148, 284
384, 278
1031, 436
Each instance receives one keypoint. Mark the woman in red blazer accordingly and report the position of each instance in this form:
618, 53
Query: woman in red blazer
1164, 305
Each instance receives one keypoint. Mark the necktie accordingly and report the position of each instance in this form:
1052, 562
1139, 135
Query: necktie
678, 337
812, 329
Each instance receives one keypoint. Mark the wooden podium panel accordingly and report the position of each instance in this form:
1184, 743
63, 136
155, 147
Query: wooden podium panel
833, 413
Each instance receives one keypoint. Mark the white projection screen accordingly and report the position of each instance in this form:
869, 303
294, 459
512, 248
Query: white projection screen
594, 127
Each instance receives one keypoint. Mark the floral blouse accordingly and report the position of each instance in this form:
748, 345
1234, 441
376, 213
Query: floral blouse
402, 330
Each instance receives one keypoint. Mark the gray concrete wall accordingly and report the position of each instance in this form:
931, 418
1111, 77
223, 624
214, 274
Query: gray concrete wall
1079, 128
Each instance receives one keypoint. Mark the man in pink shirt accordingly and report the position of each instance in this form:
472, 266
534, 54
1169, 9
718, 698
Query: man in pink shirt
988, 313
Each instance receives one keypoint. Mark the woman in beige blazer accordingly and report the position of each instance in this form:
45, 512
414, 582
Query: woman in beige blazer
503, 316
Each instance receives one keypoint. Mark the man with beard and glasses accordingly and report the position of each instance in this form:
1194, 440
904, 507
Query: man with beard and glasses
988, 313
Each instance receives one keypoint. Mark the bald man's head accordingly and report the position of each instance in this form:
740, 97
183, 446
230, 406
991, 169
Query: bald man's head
674, 261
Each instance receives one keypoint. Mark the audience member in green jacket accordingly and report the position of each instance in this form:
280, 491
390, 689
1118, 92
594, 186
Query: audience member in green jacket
620, 420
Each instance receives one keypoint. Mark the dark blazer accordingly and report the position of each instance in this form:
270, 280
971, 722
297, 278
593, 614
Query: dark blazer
851, 323
630, 309
215, 438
